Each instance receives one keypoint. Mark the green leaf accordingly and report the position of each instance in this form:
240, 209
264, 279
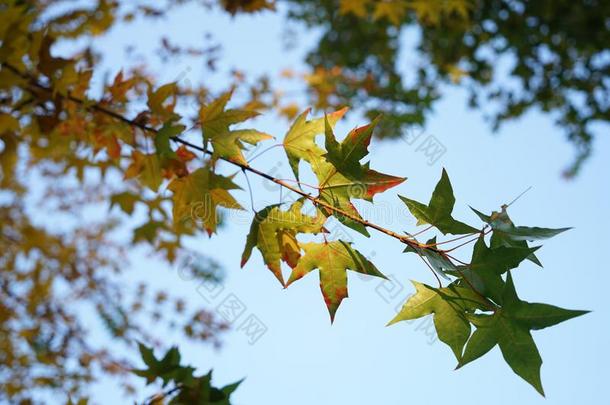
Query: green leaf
540, 316
533, 315
500, 259
197, 196
488, 265
449, 306
438, 211
163, 137
157, 99
300, 140
498, 239
189, 389
148, 232
510, 328
215, 122
520, 351
350, 179
274, 231
483, 339
516, 343
346, 156
230, 388
501, 222
333, 259
168, 369
125, 200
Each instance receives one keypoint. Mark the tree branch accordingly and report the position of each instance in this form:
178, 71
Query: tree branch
406, 239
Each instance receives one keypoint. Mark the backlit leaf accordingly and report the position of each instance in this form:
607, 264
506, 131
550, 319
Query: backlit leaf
449, 306
197, 196
510, 328
216, 121
438, 211
342, 177
501, 222
300, 140
333, 259
274, 231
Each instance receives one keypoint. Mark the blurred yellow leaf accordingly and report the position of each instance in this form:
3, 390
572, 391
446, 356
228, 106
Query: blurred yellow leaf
355, 7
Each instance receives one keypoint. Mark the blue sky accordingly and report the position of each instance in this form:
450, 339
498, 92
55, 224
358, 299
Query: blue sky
302, 359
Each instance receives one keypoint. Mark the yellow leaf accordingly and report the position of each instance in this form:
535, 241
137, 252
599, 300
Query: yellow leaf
197, 196
147, 168
355, 7
393, 11
456, 74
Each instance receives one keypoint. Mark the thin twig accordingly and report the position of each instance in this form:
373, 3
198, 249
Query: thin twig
519, 196
440, 284
250, 191
157, 397
300, 183
451, 240
413, 235
264, 151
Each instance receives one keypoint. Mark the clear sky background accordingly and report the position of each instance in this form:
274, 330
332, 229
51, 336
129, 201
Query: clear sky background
302, 359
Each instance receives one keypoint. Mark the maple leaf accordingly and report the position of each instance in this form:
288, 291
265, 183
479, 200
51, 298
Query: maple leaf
148, 232
342, 177
300, 140
274, 231
500, 222
392, 10
163, 137
158, 104
355, 7
333, 259
120, 87
438, 211
215, 122
145, 167
197, 196
505, 233
449, 306
171, 163
187, 388
125, 200
431, 12
509, 328
488, 264
167, 369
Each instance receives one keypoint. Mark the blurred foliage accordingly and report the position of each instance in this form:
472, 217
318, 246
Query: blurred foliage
65, 209
77, 175
185, 388
511, 56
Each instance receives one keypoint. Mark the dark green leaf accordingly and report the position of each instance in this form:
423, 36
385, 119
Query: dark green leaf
438, 211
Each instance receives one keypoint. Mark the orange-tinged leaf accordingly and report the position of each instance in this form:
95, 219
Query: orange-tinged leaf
333, 259
341, 176
184, 154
